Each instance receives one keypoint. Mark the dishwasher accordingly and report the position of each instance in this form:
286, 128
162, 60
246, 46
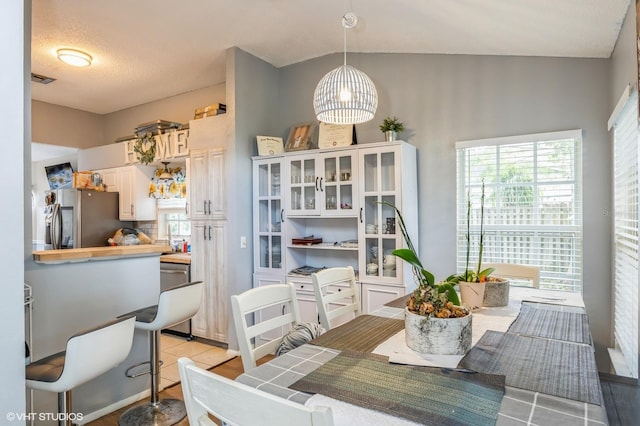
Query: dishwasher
171, 275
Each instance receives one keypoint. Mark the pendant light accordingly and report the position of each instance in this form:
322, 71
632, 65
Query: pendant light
165, 175
345, 95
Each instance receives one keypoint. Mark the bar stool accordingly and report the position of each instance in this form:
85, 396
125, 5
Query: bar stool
88, 354
175, 305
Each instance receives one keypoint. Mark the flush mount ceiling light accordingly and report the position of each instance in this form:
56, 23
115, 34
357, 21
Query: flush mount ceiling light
74, 57
345, 95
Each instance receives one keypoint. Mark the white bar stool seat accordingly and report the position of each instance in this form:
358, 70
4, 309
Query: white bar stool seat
175, 305
88, 354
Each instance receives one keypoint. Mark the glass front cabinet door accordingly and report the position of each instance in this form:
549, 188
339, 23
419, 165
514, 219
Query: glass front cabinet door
269, 209
323, 184
378, 219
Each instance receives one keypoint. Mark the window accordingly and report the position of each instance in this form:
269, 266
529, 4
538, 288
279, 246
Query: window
532, 208
625, 223
173, 221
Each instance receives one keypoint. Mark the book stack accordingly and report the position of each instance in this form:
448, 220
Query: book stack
209, 110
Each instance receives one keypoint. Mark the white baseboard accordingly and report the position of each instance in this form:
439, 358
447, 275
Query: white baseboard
115, 406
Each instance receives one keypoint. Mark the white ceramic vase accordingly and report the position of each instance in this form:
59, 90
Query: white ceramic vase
472, 294
437, 336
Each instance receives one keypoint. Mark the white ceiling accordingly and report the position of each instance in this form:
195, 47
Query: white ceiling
145, 50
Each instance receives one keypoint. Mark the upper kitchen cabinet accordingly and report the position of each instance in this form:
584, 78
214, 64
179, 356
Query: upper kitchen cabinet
132, 182
206, 171
135, 203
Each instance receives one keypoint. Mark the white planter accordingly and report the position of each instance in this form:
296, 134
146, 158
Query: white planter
496, 293
472, 294
437, 336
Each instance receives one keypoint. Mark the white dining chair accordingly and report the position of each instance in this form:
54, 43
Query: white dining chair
237, 404
274, 308
336, 294
513, 270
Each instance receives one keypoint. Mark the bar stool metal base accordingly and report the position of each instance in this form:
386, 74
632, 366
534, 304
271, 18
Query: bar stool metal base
165, 412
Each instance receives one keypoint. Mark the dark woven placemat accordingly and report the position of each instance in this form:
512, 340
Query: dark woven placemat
552, 324
400, 302
549, 366
424, 395
362, 334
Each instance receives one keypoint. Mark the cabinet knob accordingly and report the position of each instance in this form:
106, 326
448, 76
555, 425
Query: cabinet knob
317, 184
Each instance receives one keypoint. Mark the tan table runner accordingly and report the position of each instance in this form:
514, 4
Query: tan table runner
424, 395
362, 334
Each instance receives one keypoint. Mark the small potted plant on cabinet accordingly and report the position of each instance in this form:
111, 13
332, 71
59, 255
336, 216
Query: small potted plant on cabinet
391, 127
435, 323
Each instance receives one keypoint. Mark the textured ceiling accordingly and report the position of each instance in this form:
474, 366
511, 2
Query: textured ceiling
145, 50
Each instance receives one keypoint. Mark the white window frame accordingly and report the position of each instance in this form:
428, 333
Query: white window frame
575, 274
625, 264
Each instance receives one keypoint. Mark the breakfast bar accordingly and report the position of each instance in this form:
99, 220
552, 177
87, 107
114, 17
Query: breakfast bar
76, 289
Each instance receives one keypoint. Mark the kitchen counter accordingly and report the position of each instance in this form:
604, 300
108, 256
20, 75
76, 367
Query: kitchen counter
98, 253
182, 258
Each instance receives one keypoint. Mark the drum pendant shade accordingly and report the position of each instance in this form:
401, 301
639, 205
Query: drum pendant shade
345, 95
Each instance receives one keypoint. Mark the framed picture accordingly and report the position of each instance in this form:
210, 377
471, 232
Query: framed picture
332, 135
269, 145
301, 137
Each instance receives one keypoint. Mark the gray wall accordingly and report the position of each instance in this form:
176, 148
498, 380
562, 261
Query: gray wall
58, 125
252, 101
446, 98
179, 108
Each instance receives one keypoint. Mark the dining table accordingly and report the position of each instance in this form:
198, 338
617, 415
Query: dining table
531, 362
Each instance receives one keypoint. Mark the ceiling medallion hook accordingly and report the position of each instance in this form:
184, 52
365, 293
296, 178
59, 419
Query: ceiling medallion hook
349, 20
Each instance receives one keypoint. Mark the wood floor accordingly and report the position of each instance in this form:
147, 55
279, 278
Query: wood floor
621, 398
230, 369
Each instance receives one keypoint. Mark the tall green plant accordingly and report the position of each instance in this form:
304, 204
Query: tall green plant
426, 280
479, 275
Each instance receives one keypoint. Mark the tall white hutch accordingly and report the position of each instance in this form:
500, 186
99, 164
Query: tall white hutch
335, 194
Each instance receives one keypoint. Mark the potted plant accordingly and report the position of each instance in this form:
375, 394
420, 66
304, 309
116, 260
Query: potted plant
478, 288
391, 127
435, 323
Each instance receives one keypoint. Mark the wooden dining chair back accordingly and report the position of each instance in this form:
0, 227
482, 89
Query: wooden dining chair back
519, 272
237, 404
337, 295
258, 311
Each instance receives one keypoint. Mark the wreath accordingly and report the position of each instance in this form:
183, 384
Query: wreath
147, 155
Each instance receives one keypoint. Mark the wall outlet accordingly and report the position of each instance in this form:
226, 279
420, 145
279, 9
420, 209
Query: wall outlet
243, 242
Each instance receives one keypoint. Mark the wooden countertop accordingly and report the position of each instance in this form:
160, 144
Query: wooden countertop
98, 253
182, 258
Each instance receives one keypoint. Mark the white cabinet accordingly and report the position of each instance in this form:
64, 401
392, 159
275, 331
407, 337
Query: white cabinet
374, 296
135, 203
322, 184
206, 171
268, 208
338, 195
110, 179
208, 240
132, 182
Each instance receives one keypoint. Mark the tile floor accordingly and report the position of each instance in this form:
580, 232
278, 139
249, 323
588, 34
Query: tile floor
174, 347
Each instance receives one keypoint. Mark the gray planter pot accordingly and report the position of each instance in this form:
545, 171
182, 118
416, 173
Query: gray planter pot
390, 135
437, 336
496, 293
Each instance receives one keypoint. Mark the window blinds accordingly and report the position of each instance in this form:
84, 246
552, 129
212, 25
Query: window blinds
625, 257
532, 204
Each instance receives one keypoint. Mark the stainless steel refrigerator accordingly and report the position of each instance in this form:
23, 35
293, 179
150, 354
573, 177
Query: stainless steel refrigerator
83, 218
